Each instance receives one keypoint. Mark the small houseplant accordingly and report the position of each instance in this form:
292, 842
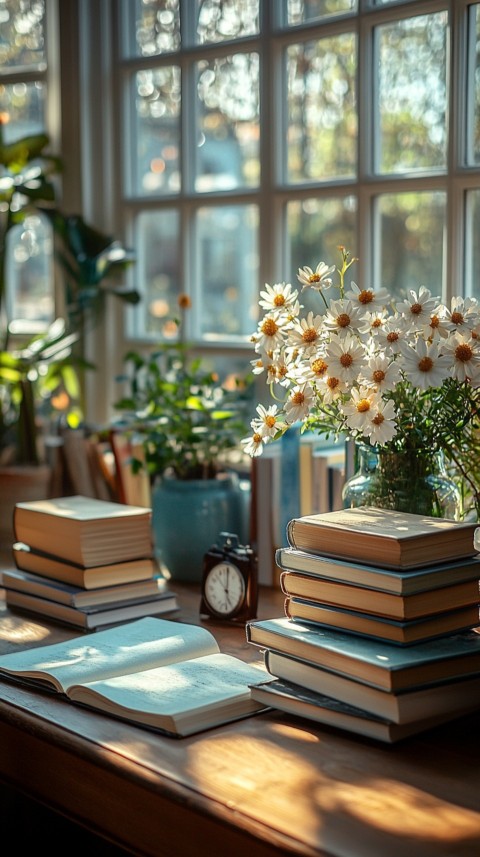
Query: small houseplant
188, 422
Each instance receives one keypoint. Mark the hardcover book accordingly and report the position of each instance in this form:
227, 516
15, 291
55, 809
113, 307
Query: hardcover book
74, 596
27, 559
84, 530
156, 673
374, 577
448, 697
299, 701
401, 607
383, 537
402, 633
92, 617
382, 664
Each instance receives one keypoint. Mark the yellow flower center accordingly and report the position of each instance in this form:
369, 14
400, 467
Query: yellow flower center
269, 327
346, 360
319, 367
434, 321
416, 309
314, 278
309, 335
333, 383
377, 322
282, 371
279, 300
378, 419
343, 320
363, 406
425, 364
463, 353
269, 421
257, 438
365, 296
457, 317
298, 398
378, 376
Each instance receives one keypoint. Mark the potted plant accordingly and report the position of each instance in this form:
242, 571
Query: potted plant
189, 422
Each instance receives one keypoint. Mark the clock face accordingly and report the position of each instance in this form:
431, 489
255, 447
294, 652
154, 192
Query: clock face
224, 588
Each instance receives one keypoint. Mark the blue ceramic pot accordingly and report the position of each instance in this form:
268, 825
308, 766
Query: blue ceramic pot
188, 516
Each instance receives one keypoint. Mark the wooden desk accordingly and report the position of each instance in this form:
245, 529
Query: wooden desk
267, 785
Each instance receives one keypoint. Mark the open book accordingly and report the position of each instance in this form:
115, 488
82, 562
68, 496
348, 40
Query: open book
153, 672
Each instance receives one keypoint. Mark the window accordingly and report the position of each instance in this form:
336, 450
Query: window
29, 297
260, 135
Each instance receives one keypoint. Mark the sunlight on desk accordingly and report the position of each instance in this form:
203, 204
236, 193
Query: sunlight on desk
14, 631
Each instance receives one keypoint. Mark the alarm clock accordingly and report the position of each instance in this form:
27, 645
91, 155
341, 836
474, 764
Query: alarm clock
229, 581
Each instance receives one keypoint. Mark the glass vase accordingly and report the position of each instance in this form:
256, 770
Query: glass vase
415, 481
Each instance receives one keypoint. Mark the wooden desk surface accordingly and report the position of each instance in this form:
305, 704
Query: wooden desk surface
267, 785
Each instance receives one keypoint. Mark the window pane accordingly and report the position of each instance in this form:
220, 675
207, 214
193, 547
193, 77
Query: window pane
157, 27
299, 11
322, 121
219, 20
474, 91
157, 271
315, 229
227, 259
228, 136
22, 37
472, 245
412, 93
412, 228
22, 110
156, 150
30, 273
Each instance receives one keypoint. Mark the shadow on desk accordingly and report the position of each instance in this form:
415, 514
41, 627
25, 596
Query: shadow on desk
29, 825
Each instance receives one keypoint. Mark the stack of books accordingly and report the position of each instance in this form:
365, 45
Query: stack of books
380, 633
85, 562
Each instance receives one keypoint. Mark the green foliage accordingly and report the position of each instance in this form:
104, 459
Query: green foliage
49, 368
186, 417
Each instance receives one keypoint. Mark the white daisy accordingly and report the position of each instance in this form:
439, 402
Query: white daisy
424, 365
436, 328
343, 316
314, 370
358, 409
345, 357
382, 425
330, 389
394, 331
253, 445
418, 307
305, 333
278, 299
370, 300
464, 313
269, 335
268, 422
299, 404
464, 353
317, 279
381, 373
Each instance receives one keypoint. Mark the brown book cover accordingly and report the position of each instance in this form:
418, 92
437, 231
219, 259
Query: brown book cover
383, 537
402, 633
401, 607
84, 530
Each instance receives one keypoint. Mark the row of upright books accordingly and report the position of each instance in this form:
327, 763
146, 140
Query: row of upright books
380, 633
85, 562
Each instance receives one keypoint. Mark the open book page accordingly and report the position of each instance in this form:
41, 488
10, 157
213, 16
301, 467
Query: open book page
128, 648
180, 698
